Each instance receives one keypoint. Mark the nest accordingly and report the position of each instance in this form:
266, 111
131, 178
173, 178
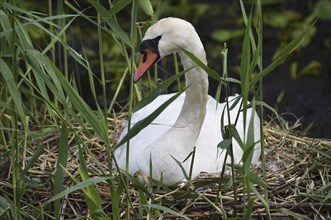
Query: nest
298, 174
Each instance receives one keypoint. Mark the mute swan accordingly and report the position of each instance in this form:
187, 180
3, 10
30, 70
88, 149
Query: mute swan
193, 119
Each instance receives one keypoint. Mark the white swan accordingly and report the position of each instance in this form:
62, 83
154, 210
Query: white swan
193, 119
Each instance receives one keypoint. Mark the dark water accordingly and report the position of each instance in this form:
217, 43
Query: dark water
308, 97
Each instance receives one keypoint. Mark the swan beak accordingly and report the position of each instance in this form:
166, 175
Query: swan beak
147, 59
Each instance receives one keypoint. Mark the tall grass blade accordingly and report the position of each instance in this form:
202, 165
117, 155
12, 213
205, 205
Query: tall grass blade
147, 7
91, 76
264, 200
251, 36
13, 90
106, 30
78, 186
33, 159
33, 17
6, 32
52, 82
165, 209
92, 197
119, 6
158, 91
281, 56
61, 163
102, 67
250, 144
131, 66
5, 208
74, 54
106, 16
212, 204
44, 75
144, 201
85, 111
209, 71
138, 184
24, 39
245, 65
234, 133
179, 163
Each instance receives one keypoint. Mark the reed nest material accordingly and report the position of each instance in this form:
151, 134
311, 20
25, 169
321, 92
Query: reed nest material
298, 173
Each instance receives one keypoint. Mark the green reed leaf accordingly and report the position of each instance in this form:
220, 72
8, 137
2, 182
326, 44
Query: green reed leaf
91, 195
13, 90
281, 55
166, 209
158, 91
106, 16
209, 71
61, 163
78, 186
119, 6
81, 106
147, 7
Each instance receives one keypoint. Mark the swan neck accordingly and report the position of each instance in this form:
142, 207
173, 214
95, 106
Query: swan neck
194, 108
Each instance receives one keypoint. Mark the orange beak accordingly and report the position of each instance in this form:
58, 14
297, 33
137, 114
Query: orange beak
146, 61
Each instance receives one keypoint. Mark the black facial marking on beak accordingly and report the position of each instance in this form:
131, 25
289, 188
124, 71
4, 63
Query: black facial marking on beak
151, 44
144, 57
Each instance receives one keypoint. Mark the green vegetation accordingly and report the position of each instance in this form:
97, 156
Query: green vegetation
56, 150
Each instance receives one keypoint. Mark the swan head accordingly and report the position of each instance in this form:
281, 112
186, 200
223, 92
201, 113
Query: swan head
165, 37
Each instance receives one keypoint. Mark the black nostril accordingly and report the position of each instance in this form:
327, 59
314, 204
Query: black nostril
144, 57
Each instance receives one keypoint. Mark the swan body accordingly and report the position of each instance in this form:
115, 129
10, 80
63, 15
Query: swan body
192, 120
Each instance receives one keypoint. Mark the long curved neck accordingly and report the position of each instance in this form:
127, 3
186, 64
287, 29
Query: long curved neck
180, 139
194, 108
186, 129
